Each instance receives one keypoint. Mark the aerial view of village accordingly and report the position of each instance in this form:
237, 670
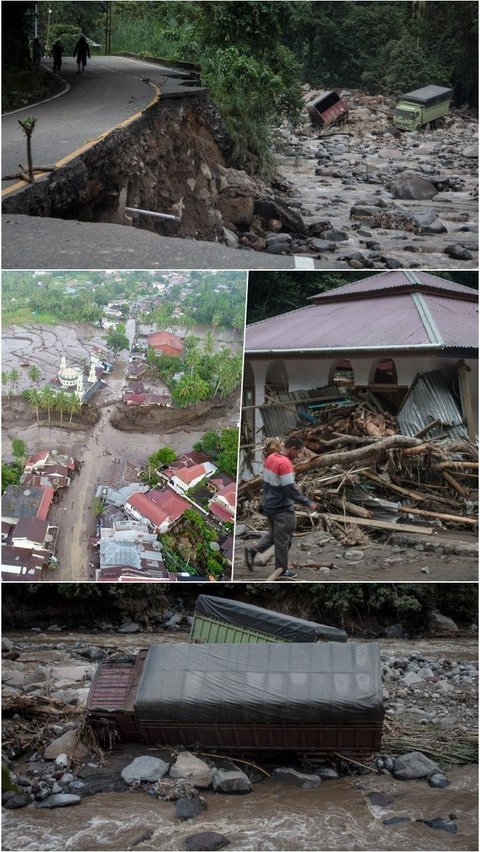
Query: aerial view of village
120, 395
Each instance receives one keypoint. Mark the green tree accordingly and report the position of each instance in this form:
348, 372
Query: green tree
61, 403
189, 390
47, 400
34, 374
19, 449
34, 397
73, 405
222, 448
14, 377
117, 341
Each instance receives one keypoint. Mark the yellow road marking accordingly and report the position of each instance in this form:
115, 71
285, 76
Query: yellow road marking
86, 147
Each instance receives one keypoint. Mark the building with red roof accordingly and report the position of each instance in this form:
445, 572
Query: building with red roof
160, 510
188, 477
166, 343
223, 503
375, 335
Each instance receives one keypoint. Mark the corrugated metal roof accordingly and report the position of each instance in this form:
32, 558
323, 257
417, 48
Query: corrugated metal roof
115, 553
392, 281
429, 399
278, 420
384, 321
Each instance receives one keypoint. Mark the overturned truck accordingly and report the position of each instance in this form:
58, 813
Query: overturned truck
311, 697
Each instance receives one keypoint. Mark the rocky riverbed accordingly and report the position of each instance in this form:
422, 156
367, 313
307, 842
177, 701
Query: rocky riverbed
408, 796
370, 196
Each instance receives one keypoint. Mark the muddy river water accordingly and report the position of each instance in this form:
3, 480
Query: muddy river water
338, 815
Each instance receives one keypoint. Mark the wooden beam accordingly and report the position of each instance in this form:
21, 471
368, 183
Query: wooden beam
425, 513
383, 525
466, 397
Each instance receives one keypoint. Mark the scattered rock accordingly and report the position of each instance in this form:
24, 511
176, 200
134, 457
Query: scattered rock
414, 765
396, 820
205, 841
60, 800
379, 799
7, 645
409, 185
441, 824
458, 252
145, 768
231, 781
440, 624
131, 627
69, 744
189, 808
19, 800
438, 780
284, 775
193, 769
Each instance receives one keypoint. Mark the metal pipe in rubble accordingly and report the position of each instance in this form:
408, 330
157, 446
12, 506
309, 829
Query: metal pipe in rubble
151, 213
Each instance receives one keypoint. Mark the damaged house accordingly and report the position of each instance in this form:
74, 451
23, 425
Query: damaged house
404, 343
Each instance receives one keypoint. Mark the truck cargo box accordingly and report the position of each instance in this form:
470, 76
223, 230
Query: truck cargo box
301, 696
327, 109
428, 95
222, 620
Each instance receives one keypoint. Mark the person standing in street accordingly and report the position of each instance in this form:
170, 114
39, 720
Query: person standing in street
56, 53
279, 496
81, 51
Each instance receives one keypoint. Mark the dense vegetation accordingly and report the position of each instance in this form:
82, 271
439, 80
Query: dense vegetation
273, 293
254, 56
222, 448
363, 608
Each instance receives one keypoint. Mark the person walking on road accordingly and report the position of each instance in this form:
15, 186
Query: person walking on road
56, 53
37, 53
279, 496
81, 51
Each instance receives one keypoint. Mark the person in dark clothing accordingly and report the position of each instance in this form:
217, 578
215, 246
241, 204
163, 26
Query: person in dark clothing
81, 51
56, 53
279, 496
37, 53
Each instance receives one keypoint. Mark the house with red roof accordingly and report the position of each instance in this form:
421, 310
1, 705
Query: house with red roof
21, 502
377, 335
166, 343
223, 504
159, 509
184, 478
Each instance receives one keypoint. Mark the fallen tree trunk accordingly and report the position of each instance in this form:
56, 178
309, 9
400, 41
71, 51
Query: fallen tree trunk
348, 457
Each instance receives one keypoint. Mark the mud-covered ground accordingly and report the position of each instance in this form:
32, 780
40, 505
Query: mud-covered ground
353, 186
445, 555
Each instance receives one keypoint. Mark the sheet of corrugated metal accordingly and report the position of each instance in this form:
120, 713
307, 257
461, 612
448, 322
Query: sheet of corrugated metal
429, 399
278, 420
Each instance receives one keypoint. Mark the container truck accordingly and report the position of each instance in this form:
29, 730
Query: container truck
422, 106
323, 697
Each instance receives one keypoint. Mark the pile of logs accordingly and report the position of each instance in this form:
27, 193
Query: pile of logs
361, 472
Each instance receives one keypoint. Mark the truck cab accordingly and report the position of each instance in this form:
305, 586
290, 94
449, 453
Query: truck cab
407, 117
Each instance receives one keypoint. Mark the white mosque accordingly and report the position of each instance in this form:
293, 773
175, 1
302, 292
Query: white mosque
73, 379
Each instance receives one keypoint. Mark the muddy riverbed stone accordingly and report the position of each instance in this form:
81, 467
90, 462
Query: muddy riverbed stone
231, 781
414, 765
59, 800
189, 808
192, 769
206, 841
285, 775
441, 824
145, 768
68, 744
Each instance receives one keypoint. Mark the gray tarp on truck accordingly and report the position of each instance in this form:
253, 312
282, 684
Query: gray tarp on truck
277, 684
266, 621
427, 95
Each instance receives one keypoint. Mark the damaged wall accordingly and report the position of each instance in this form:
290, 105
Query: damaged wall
170, 160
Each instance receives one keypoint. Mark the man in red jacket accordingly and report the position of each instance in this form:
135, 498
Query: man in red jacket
279, 496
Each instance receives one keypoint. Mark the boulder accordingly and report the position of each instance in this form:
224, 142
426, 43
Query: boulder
145, 768
68, 696
130, 627
322, 245
409, 185
231, 239
317, 229
440, 624
61, 761
205, 841
7, 645
395, 631
326, 773
458, 252
235, 209
441, 824
379, 799
69, 744
231, 781
59, 800
92, 652
284, 775
438, 780
411, 678
189, 808
19, 800
193, 769
335, 236
13, 679
274, 208
414, 765
41, 674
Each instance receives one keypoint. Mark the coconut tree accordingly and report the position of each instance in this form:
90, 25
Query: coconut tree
61, 403
34, 397
14, 377
73, 405
34, 374
209, 343
47, 400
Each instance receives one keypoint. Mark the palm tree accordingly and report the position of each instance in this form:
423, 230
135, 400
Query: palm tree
74, 405
34, 374
209, 343
61, 403
14, 377
34, 397
47, 400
